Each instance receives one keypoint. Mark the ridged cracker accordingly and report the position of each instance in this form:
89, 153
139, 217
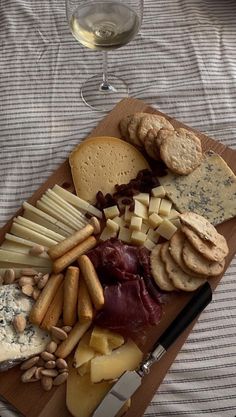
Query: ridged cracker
208, 250
180, 279
201, 226
152, 121
197, 263
181, 150
176, 245
159, 273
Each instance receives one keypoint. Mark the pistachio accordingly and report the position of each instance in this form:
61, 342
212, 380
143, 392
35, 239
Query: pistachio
28, 374
27, 290
58, 333
9, 276
46, 382
61, 363
36, 250
29, 272
50, 365
29, 363
43, 281
49, 372
19, 323
47, 356
26, 281
60, 379
36, 293
51, 347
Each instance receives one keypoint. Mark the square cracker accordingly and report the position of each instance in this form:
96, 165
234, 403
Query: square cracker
210, 190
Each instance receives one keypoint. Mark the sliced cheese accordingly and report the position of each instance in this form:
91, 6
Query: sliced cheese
165, 207
38, 228
154, 205
77, 201
25, 233
62, 212
112, 225
143, 198
45, 216
51, 211
84, 352
111, 212
104, 340
18, 247
20, 240
43, 222
66, 206
158, 191
140, 210
135, 223
166, 229
138, 238
107, 233
21, 258
155, 220
124, 235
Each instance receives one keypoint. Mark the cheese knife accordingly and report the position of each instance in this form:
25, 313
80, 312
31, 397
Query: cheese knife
130, 381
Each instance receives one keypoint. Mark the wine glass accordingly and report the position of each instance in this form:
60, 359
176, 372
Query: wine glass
104, 25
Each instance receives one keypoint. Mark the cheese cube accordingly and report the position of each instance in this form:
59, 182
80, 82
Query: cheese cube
107, 233
136, 223
140, 210
153, 235
174, 214
158, 191
145, 227
128, 214
142, 198
166, 229
149, 244
165, 207
112, 225
111, 212
176, 222
154, 205
138, 238
154, 220
119, 220
124, 235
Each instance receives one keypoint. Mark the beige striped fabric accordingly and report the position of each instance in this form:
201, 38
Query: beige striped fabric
183, 62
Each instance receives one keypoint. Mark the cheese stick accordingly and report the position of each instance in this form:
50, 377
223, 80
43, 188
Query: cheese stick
55, 309
70, 256
45, 298
85, 308
92, 281
66, 347
70, 242
70, 296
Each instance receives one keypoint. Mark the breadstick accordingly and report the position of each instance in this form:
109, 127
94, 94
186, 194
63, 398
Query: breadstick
66, 347
85, 308
69, 257
70, 296
92, 281
70, 242
45, 298
55, 309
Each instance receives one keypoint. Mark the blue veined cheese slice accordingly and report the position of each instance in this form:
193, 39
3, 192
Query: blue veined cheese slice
210, 190
15, 347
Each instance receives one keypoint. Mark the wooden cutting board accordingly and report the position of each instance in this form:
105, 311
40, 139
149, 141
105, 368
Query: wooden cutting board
30, 399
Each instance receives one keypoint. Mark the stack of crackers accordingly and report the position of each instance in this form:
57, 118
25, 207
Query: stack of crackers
179, 148
196, 252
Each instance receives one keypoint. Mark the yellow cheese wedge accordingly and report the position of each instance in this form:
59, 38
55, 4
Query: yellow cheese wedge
84, 353
93, 161
104, 340
110, 367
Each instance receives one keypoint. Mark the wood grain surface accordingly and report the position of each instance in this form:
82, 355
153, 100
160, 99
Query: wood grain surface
30, 399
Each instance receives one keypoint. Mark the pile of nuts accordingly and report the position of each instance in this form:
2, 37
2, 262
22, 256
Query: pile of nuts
46, 367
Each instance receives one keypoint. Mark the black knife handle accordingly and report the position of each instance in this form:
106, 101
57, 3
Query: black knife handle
193, 308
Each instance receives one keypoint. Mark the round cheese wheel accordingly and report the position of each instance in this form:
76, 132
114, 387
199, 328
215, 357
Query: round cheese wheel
99, 163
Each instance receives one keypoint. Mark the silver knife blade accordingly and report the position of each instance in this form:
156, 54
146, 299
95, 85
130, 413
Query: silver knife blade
121, 391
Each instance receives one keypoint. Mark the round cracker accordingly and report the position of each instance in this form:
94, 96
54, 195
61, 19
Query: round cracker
133, 128
151, 148
152, 121
201, 226
180, 279
176, 245
123, 126
158, 270
197, 263
208, 250
181, 151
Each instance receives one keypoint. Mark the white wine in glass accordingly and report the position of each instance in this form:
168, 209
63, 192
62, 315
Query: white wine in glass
103, 26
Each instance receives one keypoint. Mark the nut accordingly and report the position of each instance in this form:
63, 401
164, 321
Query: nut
60, 379
58, 333
46, 383
38, 373
36, 250
19, 323
9, 276
27, 290
49, 372
37, 277
67, 329
47, 356
61, 363
41, 363
50, 365
29, 363
27, 375
26, 281
43, 281
29, 272
51, 347
36, 293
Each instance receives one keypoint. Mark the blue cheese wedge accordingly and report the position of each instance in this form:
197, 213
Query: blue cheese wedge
16, 347
210, 190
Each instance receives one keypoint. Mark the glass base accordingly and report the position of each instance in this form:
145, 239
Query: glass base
103, 96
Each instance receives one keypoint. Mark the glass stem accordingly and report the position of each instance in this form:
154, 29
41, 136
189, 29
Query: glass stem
105, 86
